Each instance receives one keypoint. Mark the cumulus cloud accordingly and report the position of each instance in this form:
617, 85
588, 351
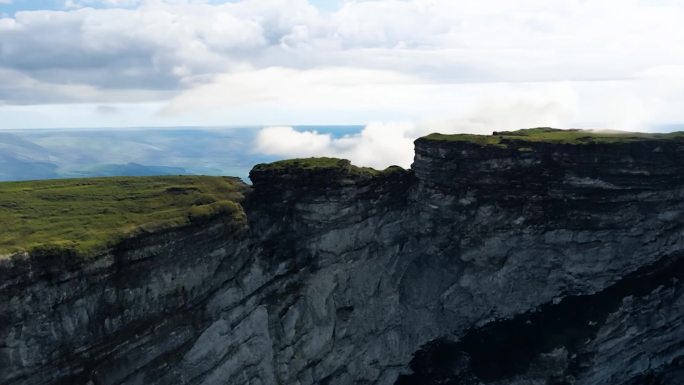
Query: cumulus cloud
106, 3
633, 105
334, 95
172, 43
382, 144
290, 142
570, 62
378, 145
151, 47
18, 88
314, 88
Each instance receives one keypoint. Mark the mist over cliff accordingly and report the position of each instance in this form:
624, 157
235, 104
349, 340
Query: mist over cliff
490, 261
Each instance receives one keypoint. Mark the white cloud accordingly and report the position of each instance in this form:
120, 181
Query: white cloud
378, 145
486, 63
490, 40
315, 88
382, 144
307, 96
112, 3
289, 142
626, 105
19, 88
74, 4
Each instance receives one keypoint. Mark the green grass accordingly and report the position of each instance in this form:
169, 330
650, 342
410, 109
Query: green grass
551, 135
86, 215
322, 163
484, 140
305, 163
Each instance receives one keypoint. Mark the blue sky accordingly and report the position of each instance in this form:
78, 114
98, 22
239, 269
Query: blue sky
30, 5
12, 6
415, 65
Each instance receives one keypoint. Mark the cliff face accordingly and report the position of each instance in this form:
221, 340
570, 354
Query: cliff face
542, 264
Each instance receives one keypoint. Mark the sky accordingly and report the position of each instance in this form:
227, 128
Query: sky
401, 67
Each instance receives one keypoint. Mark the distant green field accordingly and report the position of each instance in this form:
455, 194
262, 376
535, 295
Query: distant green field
551, 135
86, 215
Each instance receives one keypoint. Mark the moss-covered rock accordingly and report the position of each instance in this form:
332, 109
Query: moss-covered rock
315, 172
315, 164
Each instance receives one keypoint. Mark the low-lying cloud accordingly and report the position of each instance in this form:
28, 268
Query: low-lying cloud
378, 145
382, 144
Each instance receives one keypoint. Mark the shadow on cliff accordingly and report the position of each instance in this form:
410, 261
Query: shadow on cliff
504, 349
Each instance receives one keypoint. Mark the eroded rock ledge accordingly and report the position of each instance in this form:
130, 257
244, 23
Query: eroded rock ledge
504, 261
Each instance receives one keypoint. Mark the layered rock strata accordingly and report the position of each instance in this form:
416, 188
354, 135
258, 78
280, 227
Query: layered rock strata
539, 263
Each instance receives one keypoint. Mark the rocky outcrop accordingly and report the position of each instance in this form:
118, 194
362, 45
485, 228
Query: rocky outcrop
536, 264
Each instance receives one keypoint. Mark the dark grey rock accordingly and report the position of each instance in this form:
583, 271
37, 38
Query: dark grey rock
559, 265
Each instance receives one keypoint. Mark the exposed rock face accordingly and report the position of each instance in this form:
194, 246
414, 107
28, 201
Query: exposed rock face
560, 264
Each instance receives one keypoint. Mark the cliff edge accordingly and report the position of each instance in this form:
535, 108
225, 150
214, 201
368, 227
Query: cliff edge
528, 257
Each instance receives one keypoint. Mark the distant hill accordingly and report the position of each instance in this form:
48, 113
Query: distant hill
16, 169
48, 154
68, 153
21, 159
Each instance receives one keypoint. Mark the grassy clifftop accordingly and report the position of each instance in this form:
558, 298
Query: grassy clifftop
313, 164
321, 164
551, 135
85, 215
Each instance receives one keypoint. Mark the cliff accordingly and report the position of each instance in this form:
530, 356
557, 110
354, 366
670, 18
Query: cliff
494, 260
